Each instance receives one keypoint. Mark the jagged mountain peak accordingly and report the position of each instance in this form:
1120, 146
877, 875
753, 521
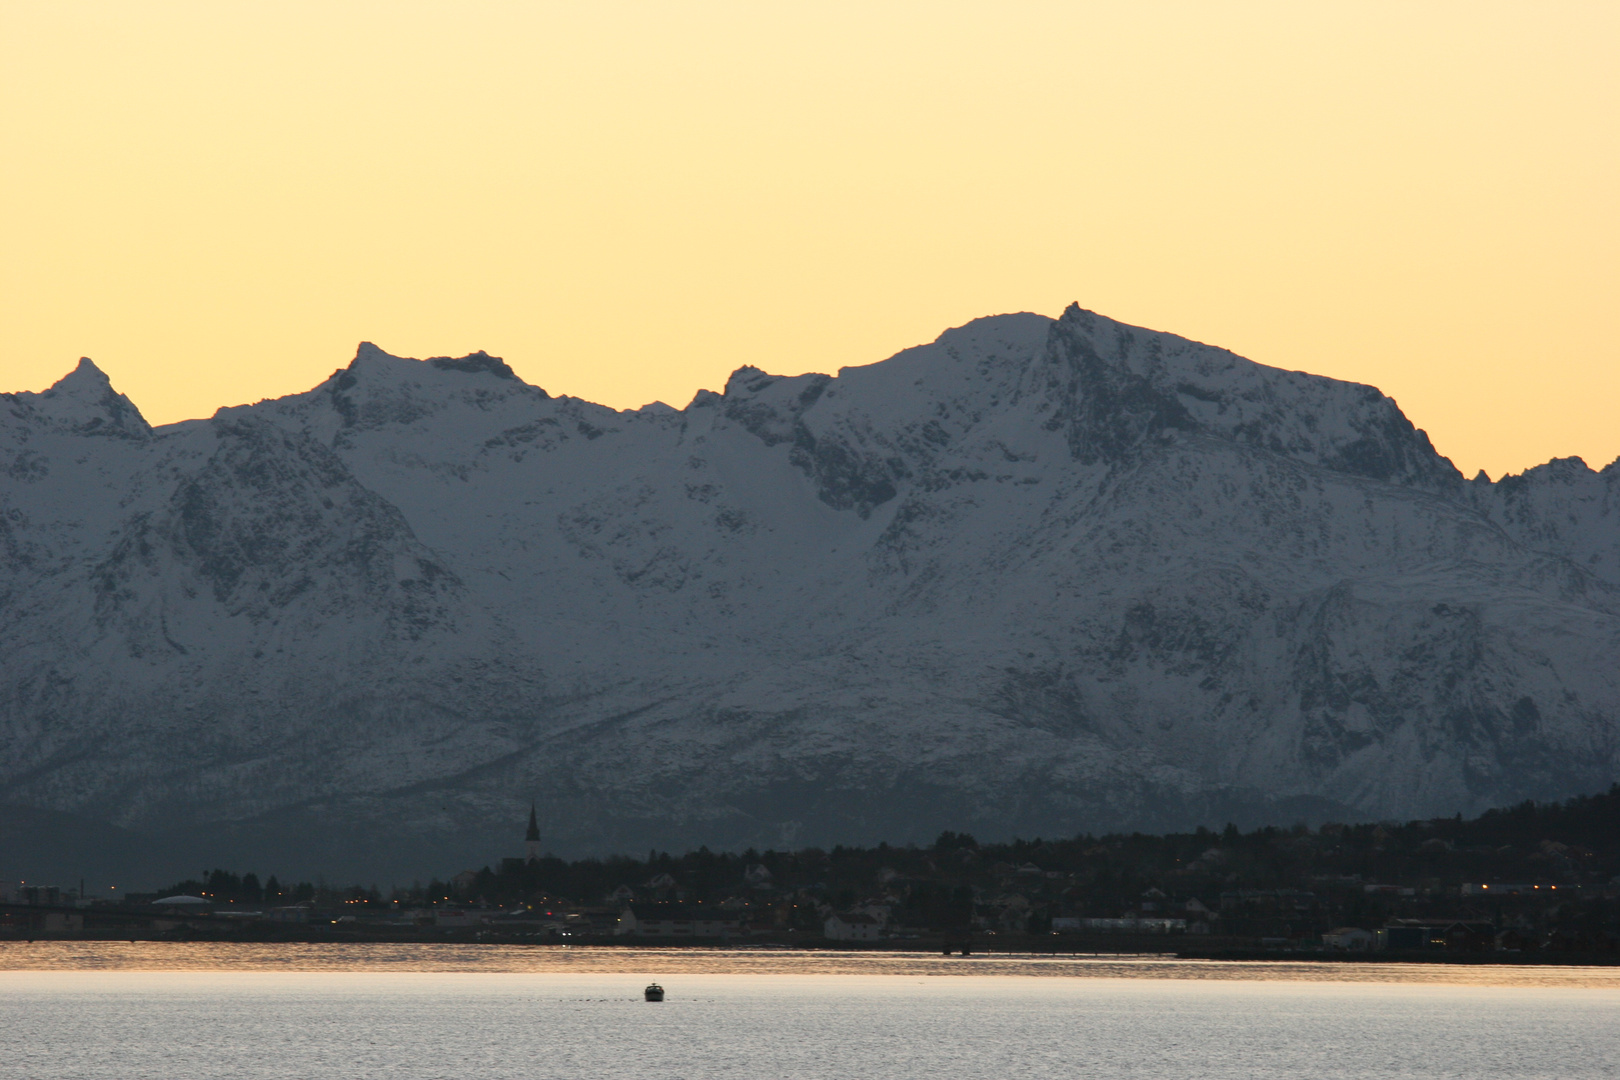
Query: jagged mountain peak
86, 375
961, 359
1562, 506
749, 380
372, 360
368, 352
1112, 390
476, 363
378, 390
1118, 385
1566, 470
85, 402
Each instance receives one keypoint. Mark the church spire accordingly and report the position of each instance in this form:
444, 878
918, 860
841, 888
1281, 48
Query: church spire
532, 837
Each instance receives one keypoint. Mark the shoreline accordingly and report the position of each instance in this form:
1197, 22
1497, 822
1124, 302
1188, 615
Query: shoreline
1068, 947
17, 957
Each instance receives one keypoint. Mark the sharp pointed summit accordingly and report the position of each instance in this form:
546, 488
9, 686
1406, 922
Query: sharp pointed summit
84, 400
85, 373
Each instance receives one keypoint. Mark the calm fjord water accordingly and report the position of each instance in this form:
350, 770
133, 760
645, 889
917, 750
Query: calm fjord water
898, 1018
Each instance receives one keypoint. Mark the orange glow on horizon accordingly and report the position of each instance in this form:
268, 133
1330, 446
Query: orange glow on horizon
628, 200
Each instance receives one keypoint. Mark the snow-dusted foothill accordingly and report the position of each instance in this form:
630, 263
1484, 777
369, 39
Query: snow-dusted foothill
1037, 577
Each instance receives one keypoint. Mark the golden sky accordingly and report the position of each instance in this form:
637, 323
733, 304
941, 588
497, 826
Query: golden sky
216, 200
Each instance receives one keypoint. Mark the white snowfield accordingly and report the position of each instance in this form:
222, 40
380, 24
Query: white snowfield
1038, 577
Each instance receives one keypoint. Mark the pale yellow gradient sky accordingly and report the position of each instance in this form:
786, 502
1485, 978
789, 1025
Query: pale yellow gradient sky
216, 200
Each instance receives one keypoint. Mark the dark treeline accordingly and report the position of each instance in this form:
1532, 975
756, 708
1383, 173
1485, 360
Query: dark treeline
1024, 884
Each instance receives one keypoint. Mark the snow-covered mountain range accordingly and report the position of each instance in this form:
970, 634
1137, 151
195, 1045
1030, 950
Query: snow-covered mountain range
1040, 576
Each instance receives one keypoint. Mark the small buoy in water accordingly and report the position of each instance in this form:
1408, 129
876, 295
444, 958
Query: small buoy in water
655, 992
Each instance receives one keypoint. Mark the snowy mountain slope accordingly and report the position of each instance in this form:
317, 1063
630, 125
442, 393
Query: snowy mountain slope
1562, 506
1037, 576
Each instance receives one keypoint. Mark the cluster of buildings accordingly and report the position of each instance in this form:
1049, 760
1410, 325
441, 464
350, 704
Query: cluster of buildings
944, 892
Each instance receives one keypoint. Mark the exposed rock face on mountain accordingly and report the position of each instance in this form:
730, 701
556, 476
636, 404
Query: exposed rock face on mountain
1040, 576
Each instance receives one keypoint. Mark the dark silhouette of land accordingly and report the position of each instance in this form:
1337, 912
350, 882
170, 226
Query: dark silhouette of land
1531, 882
